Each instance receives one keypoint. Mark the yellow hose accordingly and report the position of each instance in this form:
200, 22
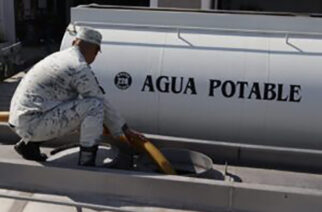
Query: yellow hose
4, 116
154, 153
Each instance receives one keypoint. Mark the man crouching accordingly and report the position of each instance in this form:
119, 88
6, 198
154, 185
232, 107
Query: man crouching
61, 94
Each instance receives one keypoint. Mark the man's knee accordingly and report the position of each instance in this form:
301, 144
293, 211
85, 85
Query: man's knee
94, 102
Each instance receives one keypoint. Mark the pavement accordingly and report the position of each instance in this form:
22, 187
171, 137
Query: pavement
219, 172
32, 202
31, 186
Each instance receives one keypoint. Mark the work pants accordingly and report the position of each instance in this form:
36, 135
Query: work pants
86, 114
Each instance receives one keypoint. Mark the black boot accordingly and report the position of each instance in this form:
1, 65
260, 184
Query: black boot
87, 156
30, 151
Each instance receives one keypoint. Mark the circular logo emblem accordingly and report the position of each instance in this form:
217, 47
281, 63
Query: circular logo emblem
123, 80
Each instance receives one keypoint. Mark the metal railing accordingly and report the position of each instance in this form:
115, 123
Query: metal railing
204, 29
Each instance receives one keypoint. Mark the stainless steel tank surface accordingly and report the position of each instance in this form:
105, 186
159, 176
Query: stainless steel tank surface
236, 77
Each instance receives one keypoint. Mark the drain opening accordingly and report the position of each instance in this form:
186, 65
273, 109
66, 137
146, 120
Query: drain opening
185, 162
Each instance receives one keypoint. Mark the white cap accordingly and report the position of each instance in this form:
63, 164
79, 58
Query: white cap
90, 35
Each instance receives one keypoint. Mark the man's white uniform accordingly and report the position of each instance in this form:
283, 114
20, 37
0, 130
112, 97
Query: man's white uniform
58, 95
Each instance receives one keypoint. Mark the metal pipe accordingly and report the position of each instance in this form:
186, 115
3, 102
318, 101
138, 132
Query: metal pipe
154, 3
215, 6
174, 27
4, 116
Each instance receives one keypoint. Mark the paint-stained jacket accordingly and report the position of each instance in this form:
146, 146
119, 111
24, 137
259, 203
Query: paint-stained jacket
58, 78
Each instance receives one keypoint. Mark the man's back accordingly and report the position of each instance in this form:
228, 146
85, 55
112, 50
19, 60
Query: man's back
47, 84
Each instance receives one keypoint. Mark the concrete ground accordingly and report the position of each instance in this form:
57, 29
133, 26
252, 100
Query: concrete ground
259, 181
221, 172
16, 200
59, 203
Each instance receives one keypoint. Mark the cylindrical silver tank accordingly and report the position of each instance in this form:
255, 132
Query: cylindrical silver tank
245, 78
